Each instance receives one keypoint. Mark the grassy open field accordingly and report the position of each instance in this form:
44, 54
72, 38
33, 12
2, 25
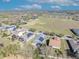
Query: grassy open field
52, 25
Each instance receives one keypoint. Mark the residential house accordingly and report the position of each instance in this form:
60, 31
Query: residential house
73, 47
27, 36
39, 39
55, 42
23, 35
18, 33
11, 28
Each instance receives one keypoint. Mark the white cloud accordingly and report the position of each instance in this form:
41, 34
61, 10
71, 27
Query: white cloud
58, 2
26, 7
56, 7
75, 4
18, 9
36, 6
33, 6
6, 0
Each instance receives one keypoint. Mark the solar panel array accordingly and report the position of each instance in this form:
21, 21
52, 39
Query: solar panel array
39, 39
26, 36
29, 35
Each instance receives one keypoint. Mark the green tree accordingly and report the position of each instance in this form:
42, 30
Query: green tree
36, 54
4, 34
31, 29
10, 49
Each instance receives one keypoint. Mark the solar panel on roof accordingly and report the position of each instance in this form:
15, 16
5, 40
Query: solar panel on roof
41, 39
29, 34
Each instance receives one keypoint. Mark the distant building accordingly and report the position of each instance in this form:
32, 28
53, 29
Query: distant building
34, 16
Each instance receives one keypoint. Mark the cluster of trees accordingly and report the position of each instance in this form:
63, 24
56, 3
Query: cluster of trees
11, 49
30, 52
52, 34
32, 29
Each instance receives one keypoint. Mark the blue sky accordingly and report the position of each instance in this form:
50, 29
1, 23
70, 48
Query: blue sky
39, 4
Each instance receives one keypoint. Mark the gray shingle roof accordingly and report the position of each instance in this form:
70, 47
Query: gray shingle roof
75, 31
73, 45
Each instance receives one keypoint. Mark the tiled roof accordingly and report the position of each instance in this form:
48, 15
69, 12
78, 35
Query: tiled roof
55, 42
